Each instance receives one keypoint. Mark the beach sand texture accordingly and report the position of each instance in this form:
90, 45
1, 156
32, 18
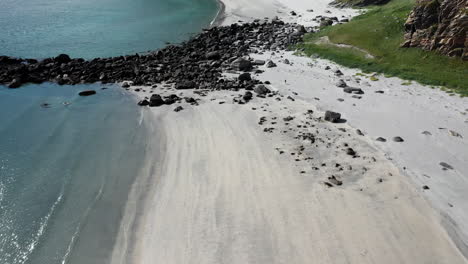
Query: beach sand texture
221, 190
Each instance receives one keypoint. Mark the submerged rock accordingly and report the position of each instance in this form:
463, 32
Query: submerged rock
87, 93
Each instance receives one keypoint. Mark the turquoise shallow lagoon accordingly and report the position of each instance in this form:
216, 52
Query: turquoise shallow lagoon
98, 28
65, 171
67, 162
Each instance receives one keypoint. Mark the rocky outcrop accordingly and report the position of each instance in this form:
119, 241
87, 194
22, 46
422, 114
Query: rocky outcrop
196, 63
439, 25
357, 3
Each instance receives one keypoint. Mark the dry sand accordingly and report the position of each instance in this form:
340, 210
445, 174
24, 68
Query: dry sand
219, 189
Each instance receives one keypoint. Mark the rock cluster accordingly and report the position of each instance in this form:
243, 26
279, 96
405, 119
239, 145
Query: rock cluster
197, 63
357, 3
439, 25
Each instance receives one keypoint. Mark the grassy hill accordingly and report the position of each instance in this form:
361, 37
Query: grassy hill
379, 32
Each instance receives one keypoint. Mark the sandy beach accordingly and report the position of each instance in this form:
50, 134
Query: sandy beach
245, 183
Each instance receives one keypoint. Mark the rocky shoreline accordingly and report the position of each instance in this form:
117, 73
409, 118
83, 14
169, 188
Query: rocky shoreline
197, 63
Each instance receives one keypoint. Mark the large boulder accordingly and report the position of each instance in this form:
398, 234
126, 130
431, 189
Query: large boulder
62, 58
261, 89
87, 93
333, 117
439, 25
156, 100
241, 64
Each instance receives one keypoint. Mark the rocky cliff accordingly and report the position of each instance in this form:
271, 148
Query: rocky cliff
439, 25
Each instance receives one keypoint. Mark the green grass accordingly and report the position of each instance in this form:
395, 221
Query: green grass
380, 32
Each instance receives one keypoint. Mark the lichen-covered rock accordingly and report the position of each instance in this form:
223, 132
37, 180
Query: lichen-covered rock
439, 25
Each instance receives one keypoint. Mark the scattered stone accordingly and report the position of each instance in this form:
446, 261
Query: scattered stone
455, 134
350, 152
247, 96
143, 102
271, 64
379, 91
125, 85
445, 166
335, 181
341, 84
425, 187
381, 139
398, 139
359, 132
156, 100
178, 109
261, 89
427, 133
333, 117
353, 90
87, 93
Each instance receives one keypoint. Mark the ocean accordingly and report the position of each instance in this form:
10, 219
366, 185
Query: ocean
98, 28
67, 162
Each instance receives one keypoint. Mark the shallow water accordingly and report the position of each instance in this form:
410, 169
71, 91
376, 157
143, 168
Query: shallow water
98, 28
65, 171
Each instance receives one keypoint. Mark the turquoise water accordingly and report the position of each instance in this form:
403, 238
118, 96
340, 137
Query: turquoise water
66, 167
98, 28
65, 171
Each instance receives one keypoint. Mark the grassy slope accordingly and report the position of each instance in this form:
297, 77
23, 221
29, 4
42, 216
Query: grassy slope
380, 32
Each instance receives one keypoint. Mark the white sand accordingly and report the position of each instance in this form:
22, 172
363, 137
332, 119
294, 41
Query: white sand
405, 111
219, 190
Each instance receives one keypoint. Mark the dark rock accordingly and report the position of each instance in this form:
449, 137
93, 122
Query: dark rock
143, 102
333, 117
445, 166
271, 64
335, 181
16, 83
178, 109
353, 90
425, 187
125, 85
341, 84
62, 58
398, 139
185, 85
381, 139
87, 93
214, 55
359, 132
244, 77
241, 64
156, 100
247, 96
350, 152
261, 89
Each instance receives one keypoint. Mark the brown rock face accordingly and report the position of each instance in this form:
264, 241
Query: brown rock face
439, 25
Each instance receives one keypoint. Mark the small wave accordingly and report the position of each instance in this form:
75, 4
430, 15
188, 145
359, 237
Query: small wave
42, 227
78, 228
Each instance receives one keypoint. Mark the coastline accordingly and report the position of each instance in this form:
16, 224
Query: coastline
168, 230
220, 16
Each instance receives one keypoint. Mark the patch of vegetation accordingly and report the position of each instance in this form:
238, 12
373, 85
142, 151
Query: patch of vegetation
380, 32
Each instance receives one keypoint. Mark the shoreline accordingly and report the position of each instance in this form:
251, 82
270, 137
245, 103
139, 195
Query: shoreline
220, 16
163, 233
